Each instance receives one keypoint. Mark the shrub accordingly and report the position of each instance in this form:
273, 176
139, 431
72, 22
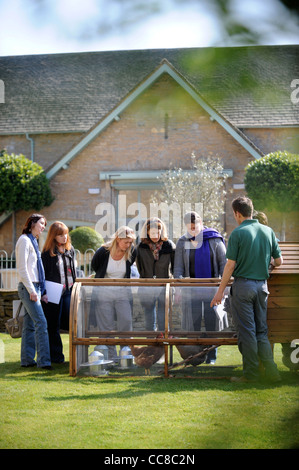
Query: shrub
272, 182
23, 183
84, 238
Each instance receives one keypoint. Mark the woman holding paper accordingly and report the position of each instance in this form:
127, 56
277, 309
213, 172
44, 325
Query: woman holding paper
31, 290
58, 258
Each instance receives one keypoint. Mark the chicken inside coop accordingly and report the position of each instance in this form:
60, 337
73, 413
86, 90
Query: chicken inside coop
146, 356
193, 354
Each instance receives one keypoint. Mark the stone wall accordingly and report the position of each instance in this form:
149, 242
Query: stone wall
6, 298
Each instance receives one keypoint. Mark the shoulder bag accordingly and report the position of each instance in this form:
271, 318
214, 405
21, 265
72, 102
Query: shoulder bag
14, 325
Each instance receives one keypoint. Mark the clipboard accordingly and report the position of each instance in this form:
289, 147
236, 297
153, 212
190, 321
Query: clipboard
54, 291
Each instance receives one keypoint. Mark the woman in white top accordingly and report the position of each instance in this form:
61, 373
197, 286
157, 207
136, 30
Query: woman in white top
31, 289
114, 260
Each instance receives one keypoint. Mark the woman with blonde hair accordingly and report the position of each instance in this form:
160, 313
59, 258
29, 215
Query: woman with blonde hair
114, 260
154, 259
58, 258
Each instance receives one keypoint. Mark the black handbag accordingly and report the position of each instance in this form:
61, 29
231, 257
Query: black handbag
14, 325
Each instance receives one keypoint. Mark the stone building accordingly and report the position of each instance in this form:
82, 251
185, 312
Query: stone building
106, 124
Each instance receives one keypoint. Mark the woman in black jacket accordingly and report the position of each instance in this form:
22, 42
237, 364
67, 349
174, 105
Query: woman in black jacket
119, 250
114, 260
154, 259
58, 258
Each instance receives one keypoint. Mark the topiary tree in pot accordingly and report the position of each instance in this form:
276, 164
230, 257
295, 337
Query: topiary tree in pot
272, 182
24, 186
85, 238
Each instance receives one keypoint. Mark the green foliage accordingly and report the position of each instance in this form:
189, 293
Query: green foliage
23, 184
84, 238
272, 182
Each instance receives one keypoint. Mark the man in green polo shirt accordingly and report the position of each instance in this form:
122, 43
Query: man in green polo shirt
251, 247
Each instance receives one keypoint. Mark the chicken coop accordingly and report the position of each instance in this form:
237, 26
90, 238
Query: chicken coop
158, 314
155, 319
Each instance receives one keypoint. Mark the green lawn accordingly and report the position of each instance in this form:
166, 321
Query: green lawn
51, 410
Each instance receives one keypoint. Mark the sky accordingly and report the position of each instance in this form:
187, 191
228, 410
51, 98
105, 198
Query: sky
59, 26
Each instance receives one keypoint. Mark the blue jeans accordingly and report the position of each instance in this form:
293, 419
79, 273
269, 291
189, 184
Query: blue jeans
199, 310
154, 312
153, 303
249, 310
35, 334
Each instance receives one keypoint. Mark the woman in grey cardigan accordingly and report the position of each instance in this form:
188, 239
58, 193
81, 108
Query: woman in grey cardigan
200, 253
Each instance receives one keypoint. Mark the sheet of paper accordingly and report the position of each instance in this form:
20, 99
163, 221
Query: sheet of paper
221, 315
54, 291
219, 309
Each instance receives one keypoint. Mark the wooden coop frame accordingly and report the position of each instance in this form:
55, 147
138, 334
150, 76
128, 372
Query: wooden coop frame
283, 312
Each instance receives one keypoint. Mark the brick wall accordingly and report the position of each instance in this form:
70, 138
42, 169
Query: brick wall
137, 142
143, 139
271, 140
48, 148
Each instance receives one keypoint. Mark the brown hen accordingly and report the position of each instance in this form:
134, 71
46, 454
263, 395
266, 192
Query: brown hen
146, 356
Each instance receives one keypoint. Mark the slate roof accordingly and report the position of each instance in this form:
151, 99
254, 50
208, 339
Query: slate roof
249, 86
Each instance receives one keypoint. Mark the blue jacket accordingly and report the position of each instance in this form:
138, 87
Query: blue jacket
182, 257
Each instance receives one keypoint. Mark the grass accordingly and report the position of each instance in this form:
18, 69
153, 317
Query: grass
51, 410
